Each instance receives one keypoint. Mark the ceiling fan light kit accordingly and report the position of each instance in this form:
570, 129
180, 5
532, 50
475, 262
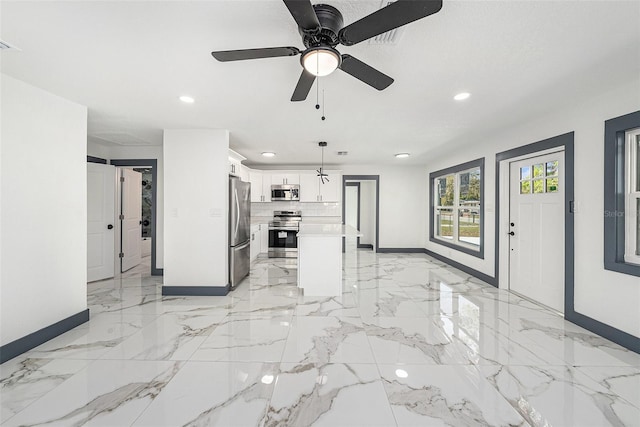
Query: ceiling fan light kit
321, 28
321, 61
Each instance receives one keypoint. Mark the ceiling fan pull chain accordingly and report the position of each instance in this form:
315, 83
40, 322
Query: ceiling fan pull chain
317, 93
323, 117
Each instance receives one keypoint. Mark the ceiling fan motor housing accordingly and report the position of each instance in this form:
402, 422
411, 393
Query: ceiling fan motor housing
331, 23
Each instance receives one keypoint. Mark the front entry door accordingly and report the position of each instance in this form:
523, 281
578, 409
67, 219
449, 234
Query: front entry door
131, 219
101, 212
536, 242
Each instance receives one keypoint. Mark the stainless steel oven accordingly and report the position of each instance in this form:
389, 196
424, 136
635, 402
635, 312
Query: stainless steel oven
283, 230
285, 192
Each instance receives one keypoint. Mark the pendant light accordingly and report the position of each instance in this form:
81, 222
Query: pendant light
323, 176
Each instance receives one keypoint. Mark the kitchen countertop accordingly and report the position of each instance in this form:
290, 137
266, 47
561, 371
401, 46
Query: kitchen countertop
327, 230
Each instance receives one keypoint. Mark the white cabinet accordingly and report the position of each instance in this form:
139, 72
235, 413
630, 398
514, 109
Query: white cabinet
254, 242
285, 178
236, 168
260, 186
312, 190
264, 238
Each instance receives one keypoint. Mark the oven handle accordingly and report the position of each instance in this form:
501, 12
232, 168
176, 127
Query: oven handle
283, 229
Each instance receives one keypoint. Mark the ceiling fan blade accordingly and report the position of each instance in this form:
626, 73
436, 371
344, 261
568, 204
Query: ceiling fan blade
304, 15
265, 52
304, 86
389, 17
365, 73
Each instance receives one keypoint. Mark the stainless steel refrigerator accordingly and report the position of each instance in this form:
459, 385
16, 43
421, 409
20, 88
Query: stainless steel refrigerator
239, 230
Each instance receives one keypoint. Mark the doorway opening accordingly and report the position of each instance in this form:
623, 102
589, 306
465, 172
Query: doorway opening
361, 208
146, 215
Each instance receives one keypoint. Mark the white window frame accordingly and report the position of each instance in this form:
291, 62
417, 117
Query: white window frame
632, 195
455, 210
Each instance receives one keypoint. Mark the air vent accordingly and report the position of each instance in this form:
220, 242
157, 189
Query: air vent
7, 46
390, 37
342, 153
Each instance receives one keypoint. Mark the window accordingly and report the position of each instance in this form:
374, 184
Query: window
456, 207
544, 178
622, 194
632, 196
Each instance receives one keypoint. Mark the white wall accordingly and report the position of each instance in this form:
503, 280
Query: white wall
196, 204
609, 297
150, 152
402, 203
44, 209
368, 212
97, 149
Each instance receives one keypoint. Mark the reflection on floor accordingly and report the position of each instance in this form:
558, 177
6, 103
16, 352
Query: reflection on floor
411, 342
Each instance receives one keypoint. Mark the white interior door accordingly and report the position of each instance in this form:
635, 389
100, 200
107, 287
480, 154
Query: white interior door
536, 242
101, 216
131, 219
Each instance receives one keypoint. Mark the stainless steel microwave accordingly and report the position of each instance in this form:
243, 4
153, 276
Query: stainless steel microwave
285, 192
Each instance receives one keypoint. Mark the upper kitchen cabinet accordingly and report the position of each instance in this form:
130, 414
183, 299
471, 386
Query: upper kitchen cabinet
236, 168
312, 190
260, 186
285, 178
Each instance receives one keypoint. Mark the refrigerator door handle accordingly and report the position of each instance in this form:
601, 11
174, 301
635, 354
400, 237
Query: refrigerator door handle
238, 211
242, 246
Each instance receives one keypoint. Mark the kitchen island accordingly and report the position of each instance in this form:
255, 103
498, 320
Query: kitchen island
320, 258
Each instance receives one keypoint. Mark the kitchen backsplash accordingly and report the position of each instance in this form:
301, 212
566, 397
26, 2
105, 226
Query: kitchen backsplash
308, 209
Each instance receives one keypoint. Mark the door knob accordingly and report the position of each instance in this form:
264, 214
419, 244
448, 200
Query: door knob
110, 226
512, 234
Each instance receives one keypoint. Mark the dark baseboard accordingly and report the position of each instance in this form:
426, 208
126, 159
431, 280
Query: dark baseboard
365, 246
200, 291
26, 343
401, 250
157, 271
475, 273
609, 332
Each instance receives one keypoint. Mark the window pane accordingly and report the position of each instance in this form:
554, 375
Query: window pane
637, 146
525, 187
538, 186
552, 185
469, 224
637, 226
470, 187
552, 168
525, 172
444, 223
445, 190
538, 170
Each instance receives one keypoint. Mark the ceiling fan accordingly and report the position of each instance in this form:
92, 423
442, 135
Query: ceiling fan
321, 28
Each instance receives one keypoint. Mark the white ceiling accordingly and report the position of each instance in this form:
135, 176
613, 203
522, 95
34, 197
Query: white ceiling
130, 61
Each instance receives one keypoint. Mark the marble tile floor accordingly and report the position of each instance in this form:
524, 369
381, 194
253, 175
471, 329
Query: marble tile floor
410, 342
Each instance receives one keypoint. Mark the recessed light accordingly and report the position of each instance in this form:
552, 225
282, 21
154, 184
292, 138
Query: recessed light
402, 155
268, 154
187, 99
462, 96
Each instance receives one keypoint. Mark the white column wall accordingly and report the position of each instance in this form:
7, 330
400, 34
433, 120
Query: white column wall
593, 284
196, 188
402, 203
150, 152
43, 274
